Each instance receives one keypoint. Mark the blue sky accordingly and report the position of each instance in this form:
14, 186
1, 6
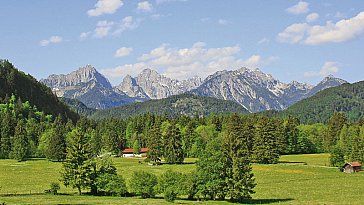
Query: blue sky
292, 40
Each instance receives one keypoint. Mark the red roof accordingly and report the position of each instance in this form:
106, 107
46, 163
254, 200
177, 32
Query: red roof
128, 150
354, 164
131, 150
144, 150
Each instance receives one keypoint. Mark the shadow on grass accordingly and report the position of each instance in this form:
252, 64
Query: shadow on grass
248, 201
266, 201
34, 194
291, 162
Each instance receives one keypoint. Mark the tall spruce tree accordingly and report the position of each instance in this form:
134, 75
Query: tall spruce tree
155, 144
57, 142
20, 145
77, 169
265, 142
6, 131
237, 155
210, 177
173, 151
335, 124
291, 135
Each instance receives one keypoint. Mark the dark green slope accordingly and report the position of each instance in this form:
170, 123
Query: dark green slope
175, 105
27, 88
347, 98
78, 106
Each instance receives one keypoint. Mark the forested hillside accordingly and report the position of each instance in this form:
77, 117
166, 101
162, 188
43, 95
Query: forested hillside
78, 106
27, 88
189, 105
347, 98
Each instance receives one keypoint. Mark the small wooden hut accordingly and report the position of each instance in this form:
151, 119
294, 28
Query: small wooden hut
352, 167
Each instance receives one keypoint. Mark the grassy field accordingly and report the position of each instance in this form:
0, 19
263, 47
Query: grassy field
297, 179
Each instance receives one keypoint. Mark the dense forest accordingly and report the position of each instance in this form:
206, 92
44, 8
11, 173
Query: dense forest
347, 98
78, 106
27, 88
173, 106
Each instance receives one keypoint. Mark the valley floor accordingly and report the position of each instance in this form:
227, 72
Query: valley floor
297, 179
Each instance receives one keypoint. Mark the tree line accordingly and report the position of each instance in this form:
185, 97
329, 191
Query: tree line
225, 145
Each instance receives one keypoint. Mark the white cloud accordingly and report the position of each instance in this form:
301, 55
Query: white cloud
51, 40
184, 63
300, 8
328, 68
294, 33
263, 41
340, 31
105, 7
223, 22
85, 35
128, 23
312, 17
106, 28
145, 6
117, 73
123, 51
103, 28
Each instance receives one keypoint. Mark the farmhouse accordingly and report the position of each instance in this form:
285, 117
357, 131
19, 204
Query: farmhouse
351, 167
129, 152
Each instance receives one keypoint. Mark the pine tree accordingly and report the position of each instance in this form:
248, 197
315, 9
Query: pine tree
57, 142
173, 151
237, 155
136, 147
5, 133
291, 135
335, 124
77, 169
188, 135
265, 142
211, 171
155, 144
20, 145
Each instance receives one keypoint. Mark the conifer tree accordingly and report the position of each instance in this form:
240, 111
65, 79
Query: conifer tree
155, 144
211, 170
173, 151
5, 133
77, 169
237, 155
335, 124
265, 142
136, 147
291, 135
20, 145
57, 142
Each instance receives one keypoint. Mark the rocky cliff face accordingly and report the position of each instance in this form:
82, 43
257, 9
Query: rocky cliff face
151, 85
89, 86
82, 75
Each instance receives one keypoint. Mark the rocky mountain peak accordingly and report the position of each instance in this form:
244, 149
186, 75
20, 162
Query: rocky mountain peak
82, 75
331, 78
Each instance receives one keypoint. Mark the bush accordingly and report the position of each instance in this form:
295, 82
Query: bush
170, 195
111, 184
143, 183
172, 184
54, 188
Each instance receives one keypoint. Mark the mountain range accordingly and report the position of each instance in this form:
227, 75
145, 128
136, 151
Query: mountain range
253, 89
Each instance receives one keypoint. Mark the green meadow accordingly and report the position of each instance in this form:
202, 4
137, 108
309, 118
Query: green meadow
297, 179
